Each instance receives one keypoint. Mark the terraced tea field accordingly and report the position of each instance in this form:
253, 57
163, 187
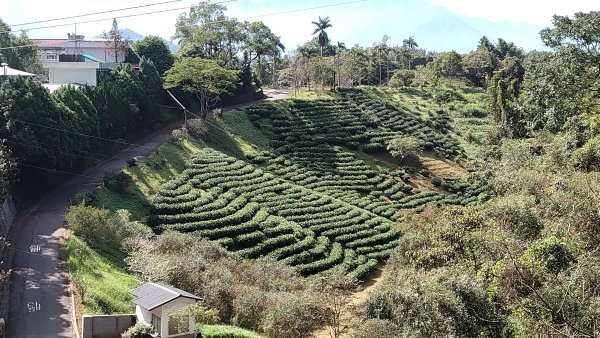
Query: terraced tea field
305, 197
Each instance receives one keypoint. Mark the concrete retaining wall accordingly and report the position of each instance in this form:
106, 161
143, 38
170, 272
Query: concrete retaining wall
107, 326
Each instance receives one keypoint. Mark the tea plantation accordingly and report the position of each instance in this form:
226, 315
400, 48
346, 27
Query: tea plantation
307, 191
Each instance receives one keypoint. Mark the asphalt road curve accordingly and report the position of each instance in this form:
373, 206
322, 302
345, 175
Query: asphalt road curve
40, 297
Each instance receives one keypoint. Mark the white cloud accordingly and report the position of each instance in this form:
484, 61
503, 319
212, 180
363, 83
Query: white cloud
529, 11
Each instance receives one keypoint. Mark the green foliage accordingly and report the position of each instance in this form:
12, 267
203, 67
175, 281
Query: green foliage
154, 49
588, 156
224, 331
381, 328
203, 78
199, 313
479, 66
443, 302
448, 65
122, 102
139, 330
402, 78
22, 58
404, 146
294, 317
503, 91
100, 277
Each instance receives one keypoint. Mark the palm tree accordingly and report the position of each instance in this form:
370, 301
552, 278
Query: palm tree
322, 25
410, 45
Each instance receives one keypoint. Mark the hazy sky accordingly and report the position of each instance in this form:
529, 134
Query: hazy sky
436, 24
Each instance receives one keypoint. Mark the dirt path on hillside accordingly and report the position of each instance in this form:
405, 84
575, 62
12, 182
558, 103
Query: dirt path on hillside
356, 303
40, 294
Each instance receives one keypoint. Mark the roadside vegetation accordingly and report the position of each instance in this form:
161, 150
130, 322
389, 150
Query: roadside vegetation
465, 187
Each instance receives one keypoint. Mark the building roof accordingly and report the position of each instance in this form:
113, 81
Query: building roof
153, 295
7, 71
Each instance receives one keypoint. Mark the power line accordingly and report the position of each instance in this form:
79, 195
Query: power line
60, 171
105, 19
207, 23
95, 13
76, 133
31, 145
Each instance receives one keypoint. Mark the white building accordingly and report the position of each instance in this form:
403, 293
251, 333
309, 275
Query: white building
75, 60
155, 302
99, 49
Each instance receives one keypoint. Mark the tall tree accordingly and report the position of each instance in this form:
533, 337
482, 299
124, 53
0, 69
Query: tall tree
206, 32
580, 35
203, 78
23, 58
340, 48
115, 42
322, 24
262, 41
410, 44
503, 90
155, 49
448, 65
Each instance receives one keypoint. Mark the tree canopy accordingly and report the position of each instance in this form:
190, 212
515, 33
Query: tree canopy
203, 78
155, 49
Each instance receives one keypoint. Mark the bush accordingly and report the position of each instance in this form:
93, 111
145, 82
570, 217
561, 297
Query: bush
517, 214
225, 331
197, 127
91, 224
293, 317
404, 146
139, 330
116, 180
436, 181
376, 328
588, 156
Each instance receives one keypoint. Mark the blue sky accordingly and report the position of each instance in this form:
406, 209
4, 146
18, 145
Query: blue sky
435, 24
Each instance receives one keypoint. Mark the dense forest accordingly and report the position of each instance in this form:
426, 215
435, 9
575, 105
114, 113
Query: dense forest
396, 193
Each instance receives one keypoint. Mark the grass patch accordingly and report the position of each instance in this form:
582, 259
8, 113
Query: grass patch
312, 94
237, 123
101, 278
226, 331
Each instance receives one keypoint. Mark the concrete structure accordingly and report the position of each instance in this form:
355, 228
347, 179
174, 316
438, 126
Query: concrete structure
76, 60
51, 49
106, 326
77, 72
155, 302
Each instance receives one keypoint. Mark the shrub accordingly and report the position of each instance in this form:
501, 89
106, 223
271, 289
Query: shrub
380, 328
588, 156
404, 146
178, 134
116, 180
91, 224
293, 317
139, 330
436, 181
197, 127
517, 214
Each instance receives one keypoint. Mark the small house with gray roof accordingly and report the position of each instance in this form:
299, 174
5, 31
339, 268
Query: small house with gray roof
155, 302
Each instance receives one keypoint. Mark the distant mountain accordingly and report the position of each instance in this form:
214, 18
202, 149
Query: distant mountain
444, 32
134, 36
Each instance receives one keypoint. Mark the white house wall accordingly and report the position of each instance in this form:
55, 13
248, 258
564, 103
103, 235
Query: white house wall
143, 315
72, 75
169, 307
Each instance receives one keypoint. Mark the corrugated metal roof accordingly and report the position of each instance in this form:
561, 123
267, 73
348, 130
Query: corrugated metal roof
153, 295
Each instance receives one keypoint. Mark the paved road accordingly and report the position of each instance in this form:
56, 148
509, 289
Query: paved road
40, 298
